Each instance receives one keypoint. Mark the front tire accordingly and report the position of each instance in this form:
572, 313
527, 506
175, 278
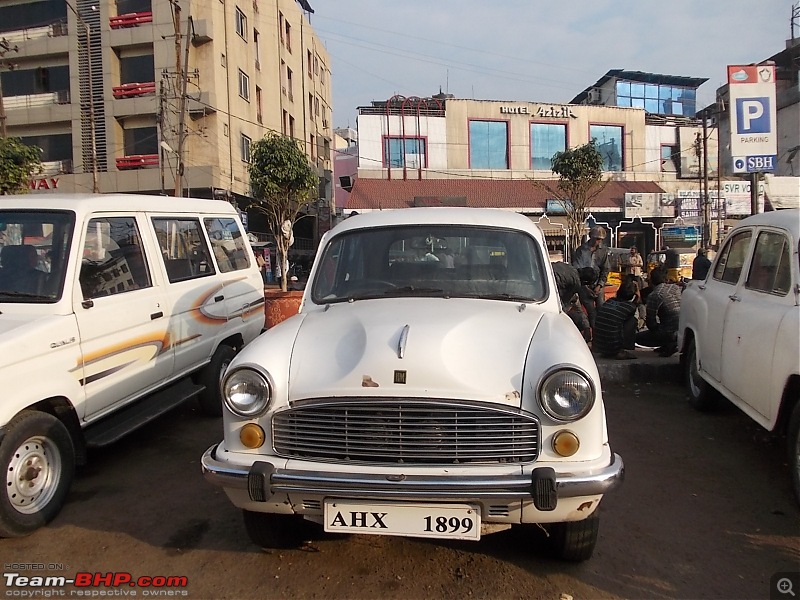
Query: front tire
701, 395
574, 540
210, 399
273, 531
38, 458
793, 443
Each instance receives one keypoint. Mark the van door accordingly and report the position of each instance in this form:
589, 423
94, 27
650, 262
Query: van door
195, 293
122, 315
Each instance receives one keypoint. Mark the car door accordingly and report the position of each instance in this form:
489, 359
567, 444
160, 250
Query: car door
752, 320
122, 315
716, 292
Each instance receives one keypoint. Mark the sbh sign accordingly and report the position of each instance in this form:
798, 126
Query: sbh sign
754, 145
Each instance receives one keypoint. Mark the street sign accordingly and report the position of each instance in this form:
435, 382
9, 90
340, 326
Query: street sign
754, 144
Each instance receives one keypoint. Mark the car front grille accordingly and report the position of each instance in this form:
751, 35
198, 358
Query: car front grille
405, 431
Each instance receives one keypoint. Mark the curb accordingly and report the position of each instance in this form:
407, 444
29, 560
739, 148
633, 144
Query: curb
647, 367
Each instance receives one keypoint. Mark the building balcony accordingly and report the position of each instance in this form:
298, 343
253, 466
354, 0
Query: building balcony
20, 36
36, 100
56, 167
137, 161
132, 90
130, 20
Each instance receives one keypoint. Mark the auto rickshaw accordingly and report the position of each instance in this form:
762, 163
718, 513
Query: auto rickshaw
678, 262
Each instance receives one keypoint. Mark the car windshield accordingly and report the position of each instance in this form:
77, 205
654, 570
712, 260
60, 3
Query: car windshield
34, 247
430, 261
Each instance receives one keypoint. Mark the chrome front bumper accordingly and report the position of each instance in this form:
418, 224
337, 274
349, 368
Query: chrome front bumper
262, 481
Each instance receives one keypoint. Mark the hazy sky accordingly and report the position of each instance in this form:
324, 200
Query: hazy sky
534, 50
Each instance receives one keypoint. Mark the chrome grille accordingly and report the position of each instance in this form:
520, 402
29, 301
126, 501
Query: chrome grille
405, 431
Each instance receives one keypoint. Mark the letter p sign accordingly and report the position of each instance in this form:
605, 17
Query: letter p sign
752, 115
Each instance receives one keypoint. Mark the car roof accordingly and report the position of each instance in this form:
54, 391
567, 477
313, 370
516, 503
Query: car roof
788, 219
89, 203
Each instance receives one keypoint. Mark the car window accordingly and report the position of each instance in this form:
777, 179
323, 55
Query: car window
227, 244
731, 260
113, 259
183, 248
434, 260
769, 271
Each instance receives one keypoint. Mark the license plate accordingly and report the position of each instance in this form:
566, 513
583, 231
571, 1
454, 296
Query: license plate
448, 521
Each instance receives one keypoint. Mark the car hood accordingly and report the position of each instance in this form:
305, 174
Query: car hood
430, 348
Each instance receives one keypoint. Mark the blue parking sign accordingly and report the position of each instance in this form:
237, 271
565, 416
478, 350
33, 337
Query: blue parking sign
752, 115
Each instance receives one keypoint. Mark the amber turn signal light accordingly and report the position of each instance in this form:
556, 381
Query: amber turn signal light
565, 443
252, 436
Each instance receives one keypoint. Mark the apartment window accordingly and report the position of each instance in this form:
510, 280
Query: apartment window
280, 28
285, 123
309, 65
488, 145
283, 77
291, 127
140, 140
316, 105
322, 75
312, 145
316, 65
669, 158
245, 148
546, 140
258, 51
288, 35
241, 24
311, 106
608, 140
244, 85
259, 115
657, 98
404, 152
289, 83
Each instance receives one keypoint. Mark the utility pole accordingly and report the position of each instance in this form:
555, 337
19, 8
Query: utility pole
706, 204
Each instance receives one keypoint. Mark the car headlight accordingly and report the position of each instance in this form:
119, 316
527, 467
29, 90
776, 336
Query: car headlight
246, 392
566, 395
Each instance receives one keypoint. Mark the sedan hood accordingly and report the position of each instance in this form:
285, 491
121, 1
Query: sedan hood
430, 348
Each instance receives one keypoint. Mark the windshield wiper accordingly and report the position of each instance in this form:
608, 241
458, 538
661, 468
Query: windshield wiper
15, 294
513, 297
410, 289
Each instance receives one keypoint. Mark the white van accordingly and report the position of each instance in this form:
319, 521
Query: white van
113, 310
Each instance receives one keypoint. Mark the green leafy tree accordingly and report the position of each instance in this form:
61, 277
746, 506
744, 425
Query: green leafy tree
282, 181
18, 164
580, 172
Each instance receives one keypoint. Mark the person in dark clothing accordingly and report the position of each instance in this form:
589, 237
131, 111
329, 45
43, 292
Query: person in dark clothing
569, 287
701, 264
672, 260
663, 312
593, 254
587, 293
615, 324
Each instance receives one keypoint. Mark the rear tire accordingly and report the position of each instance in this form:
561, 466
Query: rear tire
574, 540
210, 399
793, 445
269, 530
38, 458
701, 395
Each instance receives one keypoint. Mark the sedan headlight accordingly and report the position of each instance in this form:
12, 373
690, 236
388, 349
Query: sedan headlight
566, 395
246, 392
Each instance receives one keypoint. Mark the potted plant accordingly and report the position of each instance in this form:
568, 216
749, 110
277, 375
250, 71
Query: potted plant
282, 181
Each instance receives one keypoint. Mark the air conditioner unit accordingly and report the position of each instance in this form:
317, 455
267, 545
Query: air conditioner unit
593, 97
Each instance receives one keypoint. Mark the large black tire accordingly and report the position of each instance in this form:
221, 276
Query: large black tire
793, 446
701, 395
38, 457
210, 399
574, 540
268, 530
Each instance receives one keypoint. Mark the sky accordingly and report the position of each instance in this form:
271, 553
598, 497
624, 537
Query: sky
535, 50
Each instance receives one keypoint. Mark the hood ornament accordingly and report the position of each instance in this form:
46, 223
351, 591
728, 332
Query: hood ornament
401, 343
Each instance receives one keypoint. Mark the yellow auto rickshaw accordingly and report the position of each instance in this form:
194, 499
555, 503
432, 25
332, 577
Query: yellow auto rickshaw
678, 262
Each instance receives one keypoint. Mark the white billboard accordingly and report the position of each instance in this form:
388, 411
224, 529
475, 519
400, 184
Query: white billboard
649, 204
753, 114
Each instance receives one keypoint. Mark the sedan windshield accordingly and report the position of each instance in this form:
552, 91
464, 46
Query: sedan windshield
431, 261
34, 246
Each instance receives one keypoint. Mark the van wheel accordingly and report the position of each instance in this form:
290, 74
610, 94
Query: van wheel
701, 395
793, 440
574, 540
210, 399
38, 459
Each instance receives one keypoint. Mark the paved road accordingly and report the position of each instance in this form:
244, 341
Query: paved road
705, 512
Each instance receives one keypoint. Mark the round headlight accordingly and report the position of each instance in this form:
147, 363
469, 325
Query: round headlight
246, 392
566, 395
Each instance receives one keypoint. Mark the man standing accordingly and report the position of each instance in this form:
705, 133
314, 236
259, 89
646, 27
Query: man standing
635, 263
701, 264
593, 254
663, 312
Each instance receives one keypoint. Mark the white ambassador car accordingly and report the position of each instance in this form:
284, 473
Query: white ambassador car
740, 328
430, 386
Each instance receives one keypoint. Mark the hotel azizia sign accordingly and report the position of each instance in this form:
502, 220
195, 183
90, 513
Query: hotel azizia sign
550, 111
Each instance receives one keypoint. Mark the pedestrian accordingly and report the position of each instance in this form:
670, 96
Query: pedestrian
635, 262
568, 284
663, 311
593, 254
614, 333
262, 265
701, 264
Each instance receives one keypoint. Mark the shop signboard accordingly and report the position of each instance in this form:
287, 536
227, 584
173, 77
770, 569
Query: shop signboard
650, 204
680, 235
737, 197
690, 206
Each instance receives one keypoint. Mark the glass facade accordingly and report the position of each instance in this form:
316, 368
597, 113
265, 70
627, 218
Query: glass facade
404, 152
608, 139
546, 140
655, 98
488, 145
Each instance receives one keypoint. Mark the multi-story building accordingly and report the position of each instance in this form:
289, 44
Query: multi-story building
162, 97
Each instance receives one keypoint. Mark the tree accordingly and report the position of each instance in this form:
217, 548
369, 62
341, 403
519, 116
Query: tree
18, 164
282, 181
580, 172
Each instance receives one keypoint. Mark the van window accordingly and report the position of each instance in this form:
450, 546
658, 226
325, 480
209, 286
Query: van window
183, 248
113, 259
227, 244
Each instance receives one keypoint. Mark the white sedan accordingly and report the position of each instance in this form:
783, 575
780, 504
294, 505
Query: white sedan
739, 329
430, 386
